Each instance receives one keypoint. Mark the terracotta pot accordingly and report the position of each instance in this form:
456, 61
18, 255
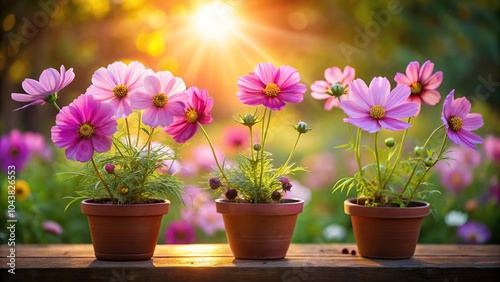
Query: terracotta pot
386, 232
124, 232
259, 231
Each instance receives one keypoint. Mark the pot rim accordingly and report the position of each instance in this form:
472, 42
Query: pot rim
353, 209
88, 207
295, 206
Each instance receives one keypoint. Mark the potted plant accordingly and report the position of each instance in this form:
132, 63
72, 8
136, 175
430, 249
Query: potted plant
124, 194
388, 209
259, 222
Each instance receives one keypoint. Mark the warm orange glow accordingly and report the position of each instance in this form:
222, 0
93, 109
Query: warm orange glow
215, 21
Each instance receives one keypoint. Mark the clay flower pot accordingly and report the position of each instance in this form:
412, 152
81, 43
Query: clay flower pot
259, 231
124, 232
386, 232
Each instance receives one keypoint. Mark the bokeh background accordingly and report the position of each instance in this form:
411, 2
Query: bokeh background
210, 44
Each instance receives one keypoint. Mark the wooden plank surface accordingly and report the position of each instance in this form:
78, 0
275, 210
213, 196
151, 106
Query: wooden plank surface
304, 262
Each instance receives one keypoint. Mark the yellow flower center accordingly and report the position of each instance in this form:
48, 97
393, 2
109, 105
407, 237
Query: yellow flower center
160, 100
86, 130
377, 112
122, 189
455, 123
416, 87
191, 116
271, 90
120, 91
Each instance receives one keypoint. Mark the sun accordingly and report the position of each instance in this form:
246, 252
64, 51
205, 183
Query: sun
215, 21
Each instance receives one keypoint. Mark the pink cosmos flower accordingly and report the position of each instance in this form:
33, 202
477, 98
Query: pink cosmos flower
209, 220
162, 98
332, 75
39, 92
474, 232
197, 110
37, 146
52, 227
13, 151
423, 83
460, 122
492, 148
83, 126
271, 87
456, 179
374, 107
180, 232
117, 83
236, 137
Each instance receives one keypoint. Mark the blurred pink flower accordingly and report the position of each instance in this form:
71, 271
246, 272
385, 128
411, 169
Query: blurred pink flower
332, 75
371, 108
197, 110
460, 122
494, 191
321, 167
37, 145
180, 232
271, 87
204, 158
474, 232
116, 83
39, 92
84, 126
209, 220
492, 148
460, 156
423, 83
456, 179
236, 138
52, 227
162, 98
14, 152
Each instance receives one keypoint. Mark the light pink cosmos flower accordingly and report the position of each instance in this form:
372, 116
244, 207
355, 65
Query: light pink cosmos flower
197, 110
84, 126
332, 75
271, 87
180, 232
422, 82
460, 122
117, 83
209, 220
52, 227
456, 179
492, 148
374, 107
162, 98
39, 92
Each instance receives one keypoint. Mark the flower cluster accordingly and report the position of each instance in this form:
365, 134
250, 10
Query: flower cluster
392, 179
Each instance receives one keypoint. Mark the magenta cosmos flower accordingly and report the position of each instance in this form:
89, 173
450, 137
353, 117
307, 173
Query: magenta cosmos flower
39, 92
422, 82
374, 107
333, 76
84, 126
117, 83
460, 122
180, 232
197, 110
14, 151
162, 98
271, 87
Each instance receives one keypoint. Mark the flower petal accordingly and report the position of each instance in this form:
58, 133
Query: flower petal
393, 124
412, 71
472, 122
367, 123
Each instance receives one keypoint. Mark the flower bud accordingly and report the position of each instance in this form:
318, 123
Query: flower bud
110, 168
285, 183
257, 147
389, 142
214, 183
302, 127
418, 150
276, 196
231, 194
429, 162
337, 89
248, 120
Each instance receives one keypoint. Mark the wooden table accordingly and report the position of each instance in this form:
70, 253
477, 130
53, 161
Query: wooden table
304, 262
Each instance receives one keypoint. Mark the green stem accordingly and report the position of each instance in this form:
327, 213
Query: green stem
213, 152
378, 162
357, 151
293, 150
265, 129
128, 133
55, 105
251, 143
138, 129
403, 139
102, 180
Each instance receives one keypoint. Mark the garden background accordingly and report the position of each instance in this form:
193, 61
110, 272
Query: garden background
210, 44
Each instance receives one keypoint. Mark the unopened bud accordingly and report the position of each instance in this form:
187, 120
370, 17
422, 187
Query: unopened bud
418, 150
231, 194
302, 127
110, 168
257, 147
389, 142
337, 89
276, 196
214, 182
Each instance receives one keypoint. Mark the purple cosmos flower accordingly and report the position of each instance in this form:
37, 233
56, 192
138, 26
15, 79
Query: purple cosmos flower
271, 87
180, 232
423, 83
13, 151
460, 122
84, 126
197, 110
492, 148
117, 83
52, 227
374, 107
39, 92
332, 75
162, 98
474, 232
